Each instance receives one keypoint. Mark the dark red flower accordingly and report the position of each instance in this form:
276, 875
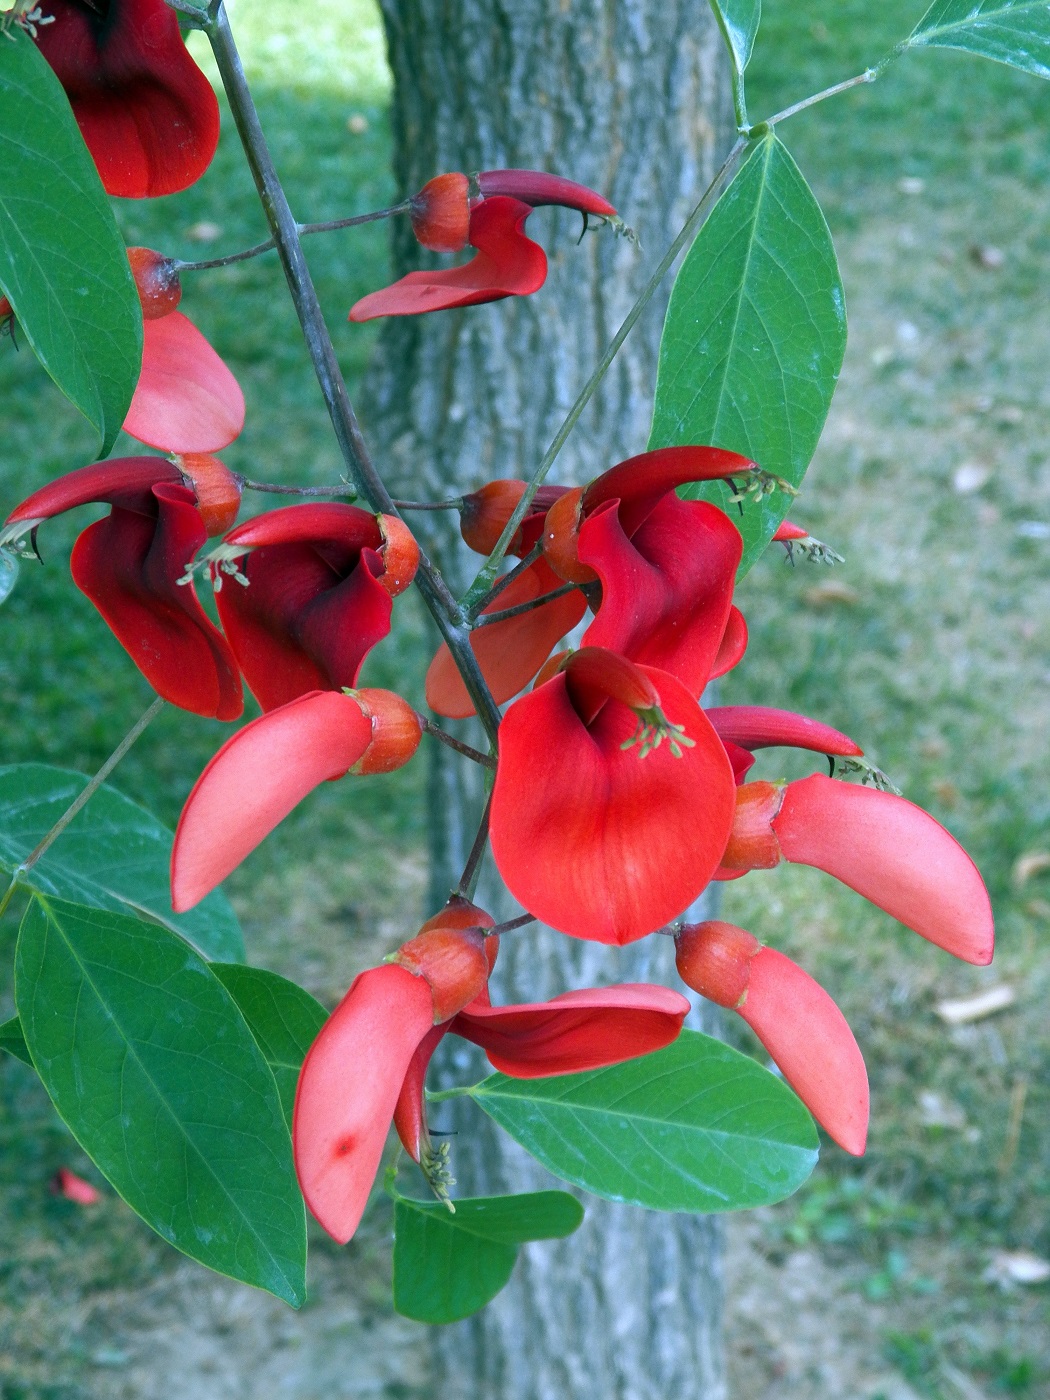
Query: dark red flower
132, 564
440, 212
320, 580
613, 798
270, 765
146, 111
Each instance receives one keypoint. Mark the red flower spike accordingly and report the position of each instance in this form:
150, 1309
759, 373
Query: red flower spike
315, 604
440, 213
453, 964
348, 1089
399, 552
509, 652
217, 490
186, 399
757, 727
591, 836
803, 1030
895, 855
485, 512
146, 111
157, 282
74, 1188
506, 264
396, 732
732, 646
256, 779
537, 188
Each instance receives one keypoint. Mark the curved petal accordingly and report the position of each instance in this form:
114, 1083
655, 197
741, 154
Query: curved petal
895, 855
639, 482
810, 1041
591, 837
741, 759
537, 188
732, 646
123, 481
146, 111
506, 264
255, 780
509, 652
186, 399
759, 727
410, 1112
348, 1087
129, 565
575, 1031
337, 530
667, 590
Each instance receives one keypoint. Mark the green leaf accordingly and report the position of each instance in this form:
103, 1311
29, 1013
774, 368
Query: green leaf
152, 1068
738, 21
754, 336
448, 1266
282, 1017
13, 1041
113, 855
1015, 32
695, 1127
63, 265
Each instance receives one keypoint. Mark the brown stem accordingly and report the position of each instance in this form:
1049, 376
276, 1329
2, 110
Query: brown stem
257, 249
468, 881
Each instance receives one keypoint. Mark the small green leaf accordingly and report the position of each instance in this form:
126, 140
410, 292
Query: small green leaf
754, 337
695, 1127
13, 1041
113, 855
448, 1266
1015, 32
738, 21
151, 1066
63, 265
282, 1017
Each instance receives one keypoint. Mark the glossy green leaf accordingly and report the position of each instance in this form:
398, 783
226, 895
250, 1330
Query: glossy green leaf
738, 21
13, 1041
153, 1069
113, 855
282, 1017
448, 1266
754, 336
1015, 32
695, 1127
63, 265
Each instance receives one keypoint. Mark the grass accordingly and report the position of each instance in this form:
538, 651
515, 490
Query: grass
933, 650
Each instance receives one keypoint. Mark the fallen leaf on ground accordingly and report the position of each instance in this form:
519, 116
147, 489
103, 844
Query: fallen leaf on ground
958, 1011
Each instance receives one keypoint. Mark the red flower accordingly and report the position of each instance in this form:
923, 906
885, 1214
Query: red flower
368, 1064
506, 264
146, 111
600, 827
441, 210
131, 565
804, 1031
888, 850
186, 399
743, 728
320, 581
270, 765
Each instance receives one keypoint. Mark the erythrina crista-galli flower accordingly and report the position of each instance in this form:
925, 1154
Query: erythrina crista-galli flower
440, 212
132, 563
146, 111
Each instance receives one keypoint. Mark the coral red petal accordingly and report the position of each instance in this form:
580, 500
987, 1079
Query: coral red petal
594, 839
129, 565
509, 652
410, 1113
506, 264
808, 1038
537, 188
575, 1031
255, 780
639, 482
895, 855
732, 646
123, 481
186, 399
348, 1087
146, 111
332, 527
759, 727
667, 590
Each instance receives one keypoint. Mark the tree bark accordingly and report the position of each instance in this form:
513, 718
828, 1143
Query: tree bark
632, 98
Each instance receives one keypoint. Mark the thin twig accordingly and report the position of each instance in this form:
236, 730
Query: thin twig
508, 578
329, 226
511, 924
868, 76
274, 489
486, 759
456, 504
487, 619
468, 881
487, 574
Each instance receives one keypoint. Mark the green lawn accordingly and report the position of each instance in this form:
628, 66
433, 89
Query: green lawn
931, 646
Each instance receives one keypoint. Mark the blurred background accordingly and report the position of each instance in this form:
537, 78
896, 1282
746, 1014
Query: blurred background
920, 1270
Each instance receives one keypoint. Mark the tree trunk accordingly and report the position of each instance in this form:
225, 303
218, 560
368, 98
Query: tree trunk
630, 97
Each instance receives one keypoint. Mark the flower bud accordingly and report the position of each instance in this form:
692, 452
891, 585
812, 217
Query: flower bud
485, 512
400, 554
440, 213
753, 844
157, 282
396, 731
218, 491
453, 963
561, 537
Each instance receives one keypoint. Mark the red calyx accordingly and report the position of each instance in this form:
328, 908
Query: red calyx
453, 964
399, 552
217, 490
157, 282
396, 731
146, 111
714, 959
485, 513
752, 842
440, 213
